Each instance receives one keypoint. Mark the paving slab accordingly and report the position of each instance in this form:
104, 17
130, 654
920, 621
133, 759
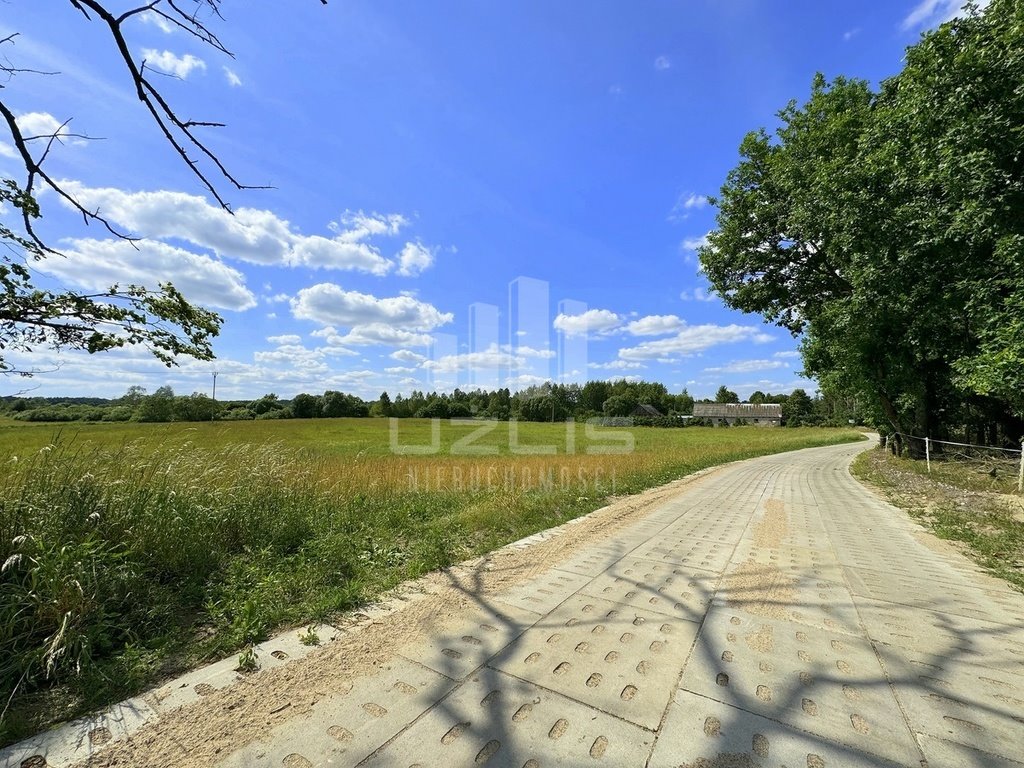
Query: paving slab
544, 593
459, 649
945, 635
80, 739
350, 724
659, 587
502, 721
703, 732
946, 698
619, 659
824, 683
941, 753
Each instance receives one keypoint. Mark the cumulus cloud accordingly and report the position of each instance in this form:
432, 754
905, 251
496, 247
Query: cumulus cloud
253, 235
746, 366
617, 365
407, 356
43, 125
330, 304
524, 351
931, 13
289, 338
694, 339
171, 64
358, 225
98, 264
592, 321
490, 359
787, 354
655, 325
377, 334
662, 63
414, 258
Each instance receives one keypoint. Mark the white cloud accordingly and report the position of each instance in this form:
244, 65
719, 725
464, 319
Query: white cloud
330, 304
697, 294
157, 21
524, 380
357, 225
931, 13
398, 369
787, 354
334, 253
685, 205
662, 63
525, 351
849, 34
171, 64
491, 359
375, 334
592, 321
44, 125
414, 258
289, 338
98, 264
693, 339
694, 243
655, 325
617, 365
232, 77
746, 366
406, 356
293, 356
250, 234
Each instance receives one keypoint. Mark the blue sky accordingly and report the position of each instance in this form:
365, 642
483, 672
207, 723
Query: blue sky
423, 158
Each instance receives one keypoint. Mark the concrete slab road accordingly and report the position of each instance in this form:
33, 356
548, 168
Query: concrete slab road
775, 614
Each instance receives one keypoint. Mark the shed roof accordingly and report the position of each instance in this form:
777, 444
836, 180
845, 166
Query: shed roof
737, 411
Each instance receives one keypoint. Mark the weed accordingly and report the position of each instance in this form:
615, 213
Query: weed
309, 637
248, 660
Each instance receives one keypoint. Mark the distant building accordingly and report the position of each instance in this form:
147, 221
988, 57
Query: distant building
764, 415
646, 411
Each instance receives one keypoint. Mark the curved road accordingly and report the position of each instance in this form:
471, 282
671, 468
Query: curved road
775, 614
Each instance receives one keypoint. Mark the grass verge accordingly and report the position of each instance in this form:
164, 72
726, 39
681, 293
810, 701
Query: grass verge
956, 504
132, 553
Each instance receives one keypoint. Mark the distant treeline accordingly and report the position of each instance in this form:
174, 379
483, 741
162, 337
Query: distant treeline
547, 402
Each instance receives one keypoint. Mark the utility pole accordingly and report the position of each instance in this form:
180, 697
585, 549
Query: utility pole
215, 385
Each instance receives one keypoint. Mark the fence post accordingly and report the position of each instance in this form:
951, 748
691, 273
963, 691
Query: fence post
1020, 473
928, 454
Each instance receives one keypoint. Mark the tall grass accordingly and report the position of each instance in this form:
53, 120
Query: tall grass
131, 554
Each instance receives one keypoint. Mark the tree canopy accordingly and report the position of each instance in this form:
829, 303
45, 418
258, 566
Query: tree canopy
885, 228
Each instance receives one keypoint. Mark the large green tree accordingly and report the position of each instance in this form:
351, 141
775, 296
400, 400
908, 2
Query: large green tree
885, 229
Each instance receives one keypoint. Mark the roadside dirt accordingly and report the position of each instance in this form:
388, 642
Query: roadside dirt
226, 719
926, 501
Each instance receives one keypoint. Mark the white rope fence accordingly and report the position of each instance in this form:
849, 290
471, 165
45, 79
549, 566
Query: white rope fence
1010, 459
